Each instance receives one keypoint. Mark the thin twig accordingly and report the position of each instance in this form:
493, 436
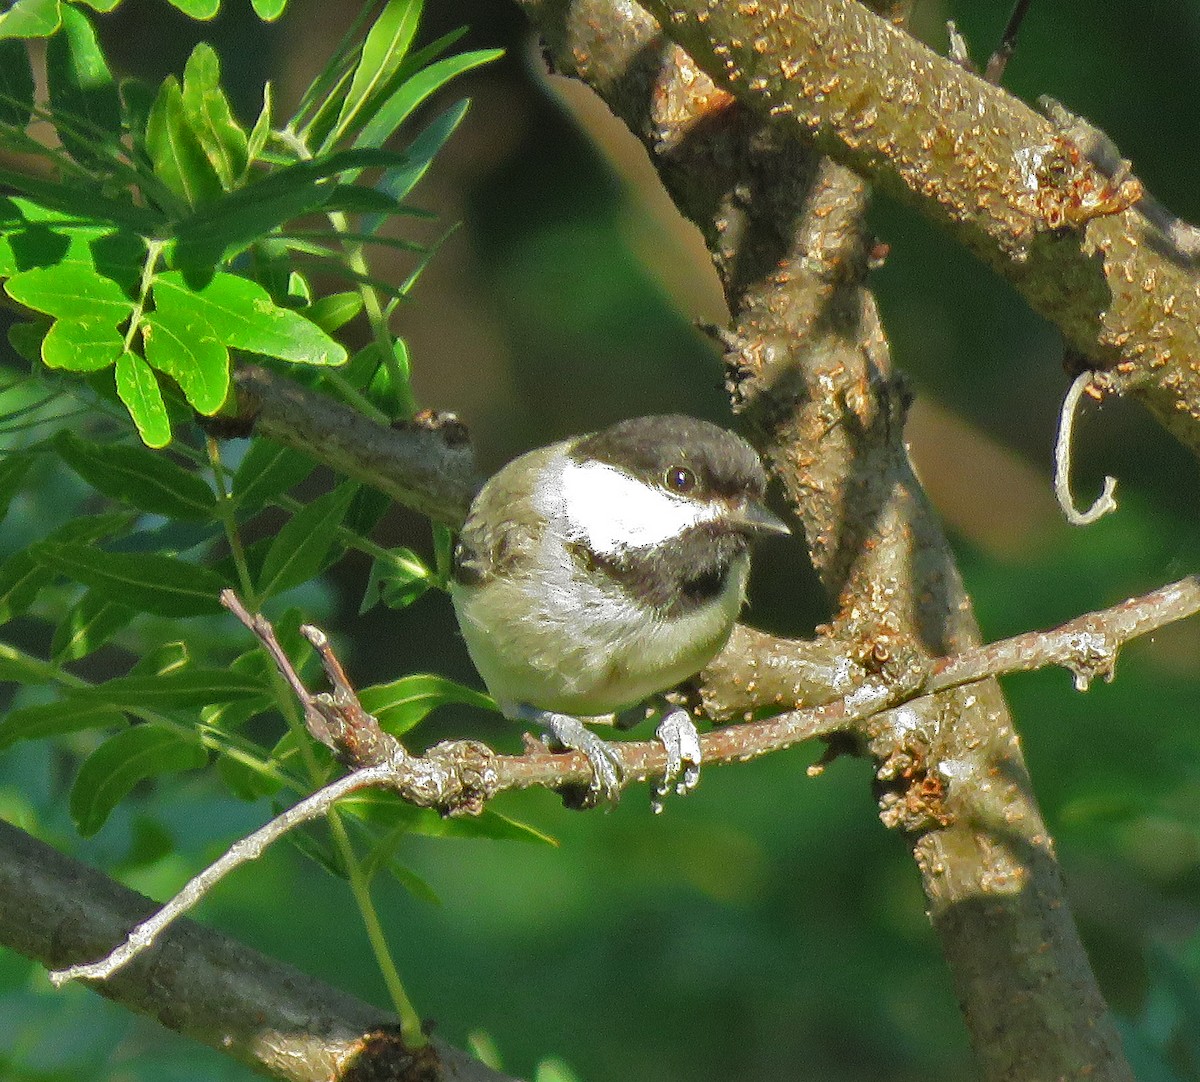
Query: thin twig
1105, 502
1087, 646
241, 852
998, 61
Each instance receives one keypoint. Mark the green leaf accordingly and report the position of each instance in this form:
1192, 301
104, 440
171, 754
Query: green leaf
138, 389
335, 310
268, 10
88, 344
55, 719
84, 202
414, 91
71, 290
148, 481
397, 581
383, 50
218, 232
403, 703
300, 549
176, 689
191, 355
210, 117
27, 338
84, 101
110, 773
31, 19
149, 582
18, 669
91, 622
198, 9
22, 576
241, 314
267, 471
175, 150
13, 467
16, 83
262, 128
398, 182
244, 781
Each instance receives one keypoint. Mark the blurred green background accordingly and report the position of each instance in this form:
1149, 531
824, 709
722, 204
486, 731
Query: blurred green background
767, 926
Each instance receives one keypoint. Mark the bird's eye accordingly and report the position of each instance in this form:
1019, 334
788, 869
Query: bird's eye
680, 479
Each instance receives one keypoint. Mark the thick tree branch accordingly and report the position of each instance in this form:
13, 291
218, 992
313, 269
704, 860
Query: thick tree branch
200, 983
810, 366
426, 464
1013, 187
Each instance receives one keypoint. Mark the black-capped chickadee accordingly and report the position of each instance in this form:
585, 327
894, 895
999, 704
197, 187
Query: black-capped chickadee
599, 571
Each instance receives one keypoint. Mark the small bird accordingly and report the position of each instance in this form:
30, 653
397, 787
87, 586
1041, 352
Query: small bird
597, 572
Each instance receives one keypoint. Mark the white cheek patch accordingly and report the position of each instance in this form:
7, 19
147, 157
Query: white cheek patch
611, 511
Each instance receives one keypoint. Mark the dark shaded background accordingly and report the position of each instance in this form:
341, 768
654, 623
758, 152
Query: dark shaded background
768, 926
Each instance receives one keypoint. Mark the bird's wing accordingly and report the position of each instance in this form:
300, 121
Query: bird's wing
499, 534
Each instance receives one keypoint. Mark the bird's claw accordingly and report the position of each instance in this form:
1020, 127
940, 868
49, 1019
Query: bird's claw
607, 770
679, 738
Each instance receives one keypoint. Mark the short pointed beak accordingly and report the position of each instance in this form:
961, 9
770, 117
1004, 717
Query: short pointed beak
756, 517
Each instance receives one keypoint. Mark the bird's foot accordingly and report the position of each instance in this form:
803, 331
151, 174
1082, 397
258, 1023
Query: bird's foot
679, 737
604, 758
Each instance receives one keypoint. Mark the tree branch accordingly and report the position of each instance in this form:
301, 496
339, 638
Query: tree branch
199, 982
1013, 187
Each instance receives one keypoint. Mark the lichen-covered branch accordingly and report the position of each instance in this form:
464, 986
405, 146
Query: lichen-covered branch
1015, 188
809, 367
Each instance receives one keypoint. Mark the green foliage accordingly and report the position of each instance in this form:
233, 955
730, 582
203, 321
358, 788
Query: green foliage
154, 250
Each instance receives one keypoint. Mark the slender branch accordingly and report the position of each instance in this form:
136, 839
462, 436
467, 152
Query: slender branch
200, 983
425, 464
242, 852
449, 777
998, 61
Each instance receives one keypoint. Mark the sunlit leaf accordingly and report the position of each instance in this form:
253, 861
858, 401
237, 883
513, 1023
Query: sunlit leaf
334, 311
87, 344
110, 773
383, 50
415, 90
198, 9
138, 389
191, 354
70, 290
148, 481
31, 19
178, 158
210, 116
268, 10
240, 313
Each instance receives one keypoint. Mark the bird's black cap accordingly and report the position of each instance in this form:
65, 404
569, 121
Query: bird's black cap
723, 464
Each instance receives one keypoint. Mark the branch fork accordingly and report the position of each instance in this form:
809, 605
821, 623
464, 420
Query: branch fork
459, 777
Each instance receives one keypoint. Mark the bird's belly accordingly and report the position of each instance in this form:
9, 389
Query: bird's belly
586, 652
